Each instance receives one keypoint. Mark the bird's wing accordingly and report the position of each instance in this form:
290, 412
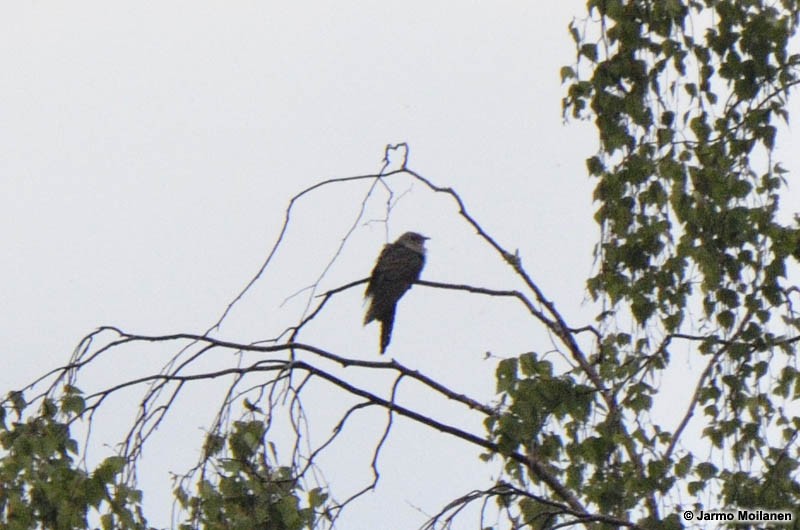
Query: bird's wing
396, 266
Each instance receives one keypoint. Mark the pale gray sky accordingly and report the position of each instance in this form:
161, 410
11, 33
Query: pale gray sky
148, 150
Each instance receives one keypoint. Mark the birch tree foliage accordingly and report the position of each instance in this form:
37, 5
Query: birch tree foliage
688, 100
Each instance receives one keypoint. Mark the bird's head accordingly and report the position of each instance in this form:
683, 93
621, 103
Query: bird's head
413, 241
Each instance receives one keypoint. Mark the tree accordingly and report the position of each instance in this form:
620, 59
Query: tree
692, 257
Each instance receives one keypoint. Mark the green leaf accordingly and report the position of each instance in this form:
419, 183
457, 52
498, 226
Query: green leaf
589, 51
595, 166
109, 468
317, 497
664, 136
506, 375
683, 466
17, 401
706, 470
73, 403
726, 319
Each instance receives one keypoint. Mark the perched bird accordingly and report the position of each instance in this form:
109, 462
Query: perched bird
397, 268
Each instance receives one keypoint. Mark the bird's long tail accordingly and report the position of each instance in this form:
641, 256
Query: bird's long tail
386, 331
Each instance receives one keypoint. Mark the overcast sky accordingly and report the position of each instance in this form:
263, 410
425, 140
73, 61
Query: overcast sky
148, 151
